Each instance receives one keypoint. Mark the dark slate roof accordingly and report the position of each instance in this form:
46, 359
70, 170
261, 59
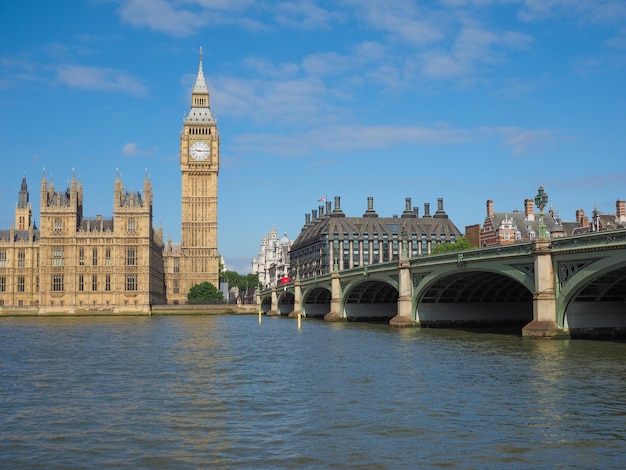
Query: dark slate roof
524, 226
20, 235
96, 225
349, 226
608, 222
571, 228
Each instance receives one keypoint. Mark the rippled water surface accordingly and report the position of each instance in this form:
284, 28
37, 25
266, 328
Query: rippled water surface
227, 392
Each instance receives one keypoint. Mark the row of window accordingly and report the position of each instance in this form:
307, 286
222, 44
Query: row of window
200, 101
199, 130
58, 283
57, 226
21, 284
58, 257
21, 259
175, 265
385, 236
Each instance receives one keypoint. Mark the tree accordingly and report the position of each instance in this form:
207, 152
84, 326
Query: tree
204, 293
241, 282
461, 244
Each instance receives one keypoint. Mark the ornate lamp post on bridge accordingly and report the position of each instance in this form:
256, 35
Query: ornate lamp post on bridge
541, 200
544, 323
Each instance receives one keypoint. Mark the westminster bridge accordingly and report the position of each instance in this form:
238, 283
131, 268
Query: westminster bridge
552, 288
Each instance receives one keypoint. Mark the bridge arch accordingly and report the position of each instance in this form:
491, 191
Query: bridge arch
285, 302
370, 299
266, 303
592, 297
476, 296
316, 302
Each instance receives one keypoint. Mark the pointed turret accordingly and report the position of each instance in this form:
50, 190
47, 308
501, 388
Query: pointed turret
23, 211
23, 196
147, 194
200, 92
147, 189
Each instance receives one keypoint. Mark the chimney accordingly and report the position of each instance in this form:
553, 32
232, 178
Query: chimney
321, 210
427, 209
620, 210
314, 215
416, 210
408, 212
489, 208
370, 212
580, 216
440, 212
337, 210
328, 207
529, 210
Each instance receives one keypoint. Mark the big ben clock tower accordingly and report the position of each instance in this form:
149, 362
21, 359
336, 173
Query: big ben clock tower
199, 166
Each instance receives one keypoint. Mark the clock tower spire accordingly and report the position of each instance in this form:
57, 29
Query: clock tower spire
199, 165
200, 92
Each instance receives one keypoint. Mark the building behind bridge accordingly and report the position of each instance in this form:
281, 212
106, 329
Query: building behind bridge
504, 228
272, 263
331, 238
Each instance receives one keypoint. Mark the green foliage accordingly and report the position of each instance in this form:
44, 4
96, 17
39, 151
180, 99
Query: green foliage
461, 244
249, 281
204, 293
242, 282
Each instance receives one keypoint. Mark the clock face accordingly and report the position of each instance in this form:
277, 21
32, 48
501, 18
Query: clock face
200, 151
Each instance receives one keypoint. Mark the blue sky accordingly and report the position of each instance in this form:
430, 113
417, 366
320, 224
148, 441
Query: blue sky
467, 100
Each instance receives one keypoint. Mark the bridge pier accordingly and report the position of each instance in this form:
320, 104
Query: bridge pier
544, 323
297, 296
274, 311
405, 297
335, 300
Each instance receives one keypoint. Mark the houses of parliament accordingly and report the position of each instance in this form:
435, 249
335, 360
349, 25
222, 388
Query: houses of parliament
73, 264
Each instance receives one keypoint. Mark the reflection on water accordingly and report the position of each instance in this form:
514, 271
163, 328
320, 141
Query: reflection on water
223, 392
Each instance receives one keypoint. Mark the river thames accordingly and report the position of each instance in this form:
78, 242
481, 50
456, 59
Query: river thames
227, 392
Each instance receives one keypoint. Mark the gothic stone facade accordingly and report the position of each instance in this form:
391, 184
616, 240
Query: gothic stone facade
76, 265
196, 259
72, 264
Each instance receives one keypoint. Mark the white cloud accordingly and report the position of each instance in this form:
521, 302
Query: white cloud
612, 11
403, 20
187, 18
524, 141
160, 15
131, 149
99, 78
291, 101
303, 14
269, 69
